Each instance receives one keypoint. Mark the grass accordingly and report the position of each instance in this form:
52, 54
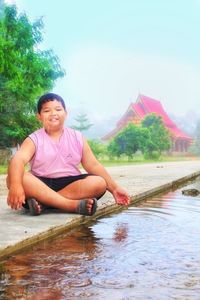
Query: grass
3, 169
139, 159
124, 161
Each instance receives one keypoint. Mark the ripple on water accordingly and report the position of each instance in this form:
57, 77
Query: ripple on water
143, 252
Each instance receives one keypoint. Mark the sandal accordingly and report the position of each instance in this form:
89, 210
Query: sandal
35, 208
82, 208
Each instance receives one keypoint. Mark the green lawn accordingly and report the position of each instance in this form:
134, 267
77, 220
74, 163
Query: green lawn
3, 169
141, 160
125, 161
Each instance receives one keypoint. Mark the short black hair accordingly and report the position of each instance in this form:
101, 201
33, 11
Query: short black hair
49, 97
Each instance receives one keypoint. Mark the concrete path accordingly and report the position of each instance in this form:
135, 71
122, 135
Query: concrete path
19, 230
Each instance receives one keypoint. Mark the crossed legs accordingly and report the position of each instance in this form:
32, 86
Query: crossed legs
67, 198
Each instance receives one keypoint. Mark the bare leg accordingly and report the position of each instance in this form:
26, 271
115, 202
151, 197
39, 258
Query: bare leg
89, 187
64, 199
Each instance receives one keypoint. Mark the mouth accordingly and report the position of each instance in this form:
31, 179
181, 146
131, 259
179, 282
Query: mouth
53, 119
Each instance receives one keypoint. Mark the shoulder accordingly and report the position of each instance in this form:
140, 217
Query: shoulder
75, 136
26, 150
70, 130
37, 133
73, 132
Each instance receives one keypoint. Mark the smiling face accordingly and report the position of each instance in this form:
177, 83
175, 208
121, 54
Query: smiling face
52, 115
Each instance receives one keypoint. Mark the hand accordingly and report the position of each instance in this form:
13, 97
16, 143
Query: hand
121, 196
16, 196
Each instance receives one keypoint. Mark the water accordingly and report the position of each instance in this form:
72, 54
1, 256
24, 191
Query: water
145, 252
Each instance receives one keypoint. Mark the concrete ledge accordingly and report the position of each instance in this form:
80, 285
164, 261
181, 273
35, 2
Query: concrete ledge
106, 207
27, 243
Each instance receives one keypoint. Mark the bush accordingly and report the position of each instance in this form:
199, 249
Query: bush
98, 148
155, 155
4, 156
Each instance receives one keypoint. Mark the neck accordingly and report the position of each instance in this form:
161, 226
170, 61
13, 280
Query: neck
55, 134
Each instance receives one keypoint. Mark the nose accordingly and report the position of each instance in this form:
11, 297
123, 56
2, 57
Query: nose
53, 112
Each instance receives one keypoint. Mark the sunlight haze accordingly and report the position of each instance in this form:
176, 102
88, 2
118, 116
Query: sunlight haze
113, 50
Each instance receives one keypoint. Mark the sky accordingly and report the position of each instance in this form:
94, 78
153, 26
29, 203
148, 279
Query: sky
112, 50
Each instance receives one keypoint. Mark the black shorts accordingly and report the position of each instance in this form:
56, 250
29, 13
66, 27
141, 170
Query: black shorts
59, 183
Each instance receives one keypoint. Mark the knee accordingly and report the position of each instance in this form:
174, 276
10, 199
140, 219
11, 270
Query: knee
101, 185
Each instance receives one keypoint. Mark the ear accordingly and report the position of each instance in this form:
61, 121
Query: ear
38, 117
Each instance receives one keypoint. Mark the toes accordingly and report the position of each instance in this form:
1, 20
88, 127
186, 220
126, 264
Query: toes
89, 205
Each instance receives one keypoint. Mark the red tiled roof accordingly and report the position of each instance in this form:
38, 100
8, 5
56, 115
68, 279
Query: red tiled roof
154, 106
138, 109
144, 106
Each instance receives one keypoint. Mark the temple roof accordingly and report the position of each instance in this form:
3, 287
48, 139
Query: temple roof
143, 106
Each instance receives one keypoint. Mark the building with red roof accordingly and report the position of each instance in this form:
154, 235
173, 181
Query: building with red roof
143, 106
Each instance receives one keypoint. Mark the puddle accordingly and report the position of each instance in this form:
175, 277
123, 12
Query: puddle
146, 252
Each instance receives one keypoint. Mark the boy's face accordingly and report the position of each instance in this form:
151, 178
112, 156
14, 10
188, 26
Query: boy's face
52, 115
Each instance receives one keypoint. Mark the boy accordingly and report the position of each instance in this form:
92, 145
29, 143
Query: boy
54, 180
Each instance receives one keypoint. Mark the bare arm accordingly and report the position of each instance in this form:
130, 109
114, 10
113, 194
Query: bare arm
93, 166
16, 166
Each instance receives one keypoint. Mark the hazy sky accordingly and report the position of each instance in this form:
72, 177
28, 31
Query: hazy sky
113, 49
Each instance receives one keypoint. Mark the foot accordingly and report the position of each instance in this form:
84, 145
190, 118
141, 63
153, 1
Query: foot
87, 207
35, 208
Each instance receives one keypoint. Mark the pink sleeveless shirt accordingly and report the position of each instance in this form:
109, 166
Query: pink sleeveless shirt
56, 159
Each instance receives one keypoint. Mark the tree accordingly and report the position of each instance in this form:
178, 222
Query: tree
195, 148
127, 142
97, 147
83, 123
26, 72
157, 136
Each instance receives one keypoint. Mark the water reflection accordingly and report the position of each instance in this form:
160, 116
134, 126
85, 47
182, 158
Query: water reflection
45, 271
146, 252
121, 232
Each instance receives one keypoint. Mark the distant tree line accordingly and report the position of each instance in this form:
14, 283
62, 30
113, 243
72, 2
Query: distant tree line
26, 72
